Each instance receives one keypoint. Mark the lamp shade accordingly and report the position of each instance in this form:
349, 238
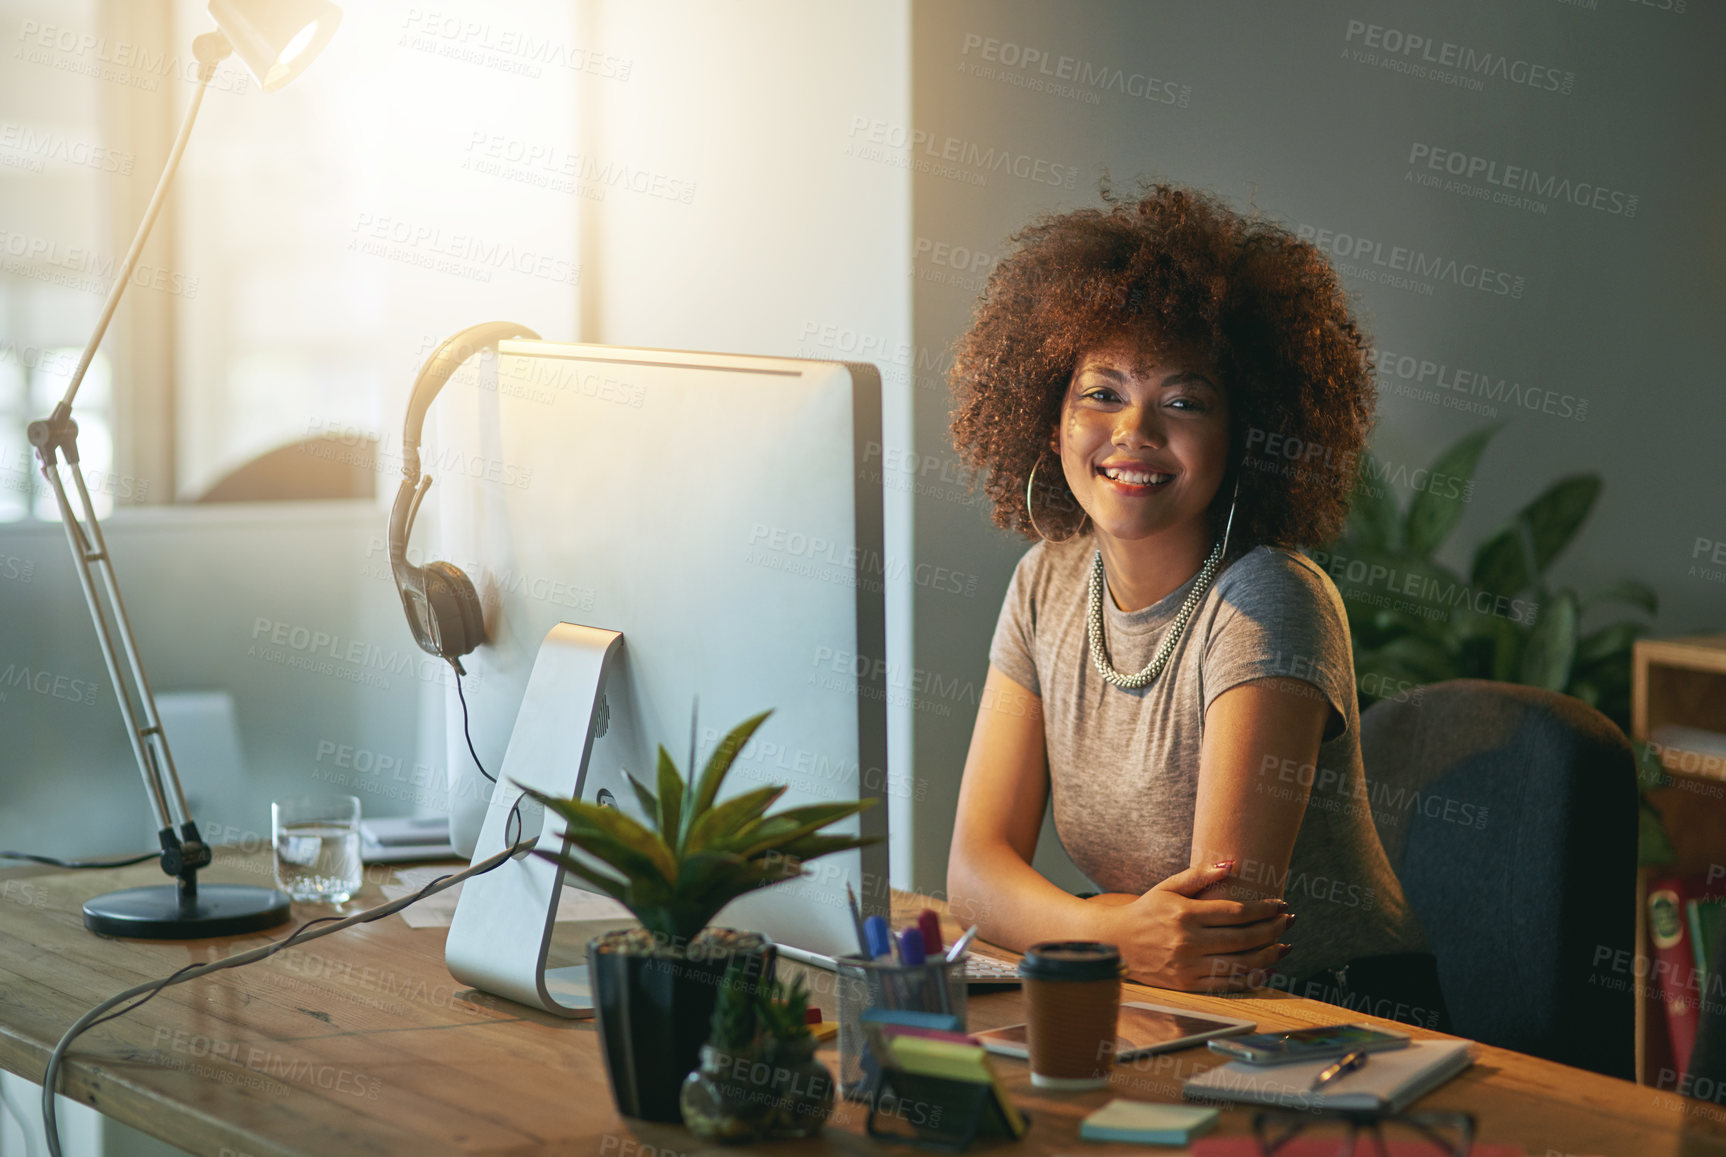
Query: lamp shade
276, 39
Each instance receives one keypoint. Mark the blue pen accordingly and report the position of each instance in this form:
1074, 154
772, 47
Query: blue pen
880, 943
912, 955
881, 948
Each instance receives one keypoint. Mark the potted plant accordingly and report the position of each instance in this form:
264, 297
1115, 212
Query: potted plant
1406, 646
654, 987
758, 1079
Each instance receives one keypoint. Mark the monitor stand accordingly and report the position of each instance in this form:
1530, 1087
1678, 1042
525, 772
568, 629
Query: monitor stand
501, 931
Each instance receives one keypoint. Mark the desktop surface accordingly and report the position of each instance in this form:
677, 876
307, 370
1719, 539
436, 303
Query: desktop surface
363, 1042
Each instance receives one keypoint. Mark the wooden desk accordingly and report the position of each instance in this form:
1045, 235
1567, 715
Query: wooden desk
363, 1043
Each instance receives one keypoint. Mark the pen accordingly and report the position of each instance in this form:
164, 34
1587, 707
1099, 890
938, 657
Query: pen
880, 951
911, 954
910, 944
962, 943
932, 959
877, 942
857, 919
929, 924
1347, 1063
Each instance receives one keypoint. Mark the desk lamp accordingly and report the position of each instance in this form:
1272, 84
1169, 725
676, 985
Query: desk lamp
275, 40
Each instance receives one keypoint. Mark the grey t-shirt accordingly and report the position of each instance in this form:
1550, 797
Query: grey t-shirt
1124, 764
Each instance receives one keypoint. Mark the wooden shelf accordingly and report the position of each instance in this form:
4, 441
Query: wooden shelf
1679, 682
1682, 761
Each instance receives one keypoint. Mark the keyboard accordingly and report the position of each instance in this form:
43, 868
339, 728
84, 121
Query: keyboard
989, 970
980, 971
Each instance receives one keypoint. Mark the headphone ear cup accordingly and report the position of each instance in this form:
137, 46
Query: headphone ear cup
460, 620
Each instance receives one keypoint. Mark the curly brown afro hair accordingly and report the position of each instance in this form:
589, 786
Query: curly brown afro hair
1176, 270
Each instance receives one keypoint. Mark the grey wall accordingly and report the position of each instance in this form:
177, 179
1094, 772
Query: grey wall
1611, 315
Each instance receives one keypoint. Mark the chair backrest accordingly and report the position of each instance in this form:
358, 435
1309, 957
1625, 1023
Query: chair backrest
1510, 815
314, 468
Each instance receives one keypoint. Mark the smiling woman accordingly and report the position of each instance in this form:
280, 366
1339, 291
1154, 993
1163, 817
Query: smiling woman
1168, 669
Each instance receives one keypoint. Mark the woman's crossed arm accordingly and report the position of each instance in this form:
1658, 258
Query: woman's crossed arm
1175, 935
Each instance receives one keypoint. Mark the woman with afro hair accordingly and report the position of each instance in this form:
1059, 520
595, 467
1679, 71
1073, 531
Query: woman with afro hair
1171, 399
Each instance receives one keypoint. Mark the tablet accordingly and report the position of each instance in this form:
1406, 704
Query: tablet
1140, 1029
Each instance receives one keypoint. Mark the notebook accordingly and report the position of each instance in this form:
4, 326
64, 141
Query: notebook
1390, 1081
1146, 1122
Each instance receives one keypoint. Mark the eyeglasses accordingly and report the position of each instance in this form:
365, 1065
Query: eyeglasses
1283, 1133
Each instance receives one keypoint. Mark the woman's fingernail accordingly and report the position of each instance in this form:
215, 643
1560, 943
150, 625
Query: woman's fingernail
1290, 924
1223, 864
1286, 949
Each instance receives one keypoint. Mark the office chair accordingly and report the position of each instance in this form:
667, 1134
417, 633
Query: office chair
1509, 815
314, 468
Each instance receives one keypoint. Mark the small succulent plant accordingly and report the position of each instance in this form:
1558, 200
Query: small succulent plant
695, 855
782, 1016
750, 1013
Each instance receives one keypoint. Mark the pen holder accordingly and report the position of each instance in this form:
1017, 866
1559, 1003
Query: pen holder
866, 984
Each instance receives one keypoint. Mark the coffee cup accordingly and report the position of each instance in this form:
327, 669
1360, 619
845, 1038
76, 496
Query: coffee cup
1072, 1000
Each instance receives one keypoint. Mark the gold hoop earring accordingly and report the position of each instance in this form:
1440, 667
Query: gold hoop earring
1231, 522
1031, 514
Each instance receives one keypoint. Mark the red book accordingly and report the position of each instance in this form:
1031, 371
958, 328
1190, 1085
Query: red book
1674, 967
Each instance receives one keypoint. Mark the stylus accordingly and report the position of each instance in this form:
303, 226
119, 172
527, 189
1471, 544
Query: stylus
962, 943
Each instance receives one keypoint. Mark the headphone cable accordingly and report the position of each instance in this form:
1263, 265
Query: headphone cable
466, 733
515, 822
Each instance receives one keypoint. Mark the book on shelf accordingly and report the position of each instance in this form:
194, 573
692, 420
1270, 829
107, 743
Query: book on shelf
1702, 921
1678, 960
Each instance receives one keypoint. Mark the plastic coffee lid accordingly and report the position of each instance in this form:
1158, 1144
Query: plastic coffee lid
1071, 960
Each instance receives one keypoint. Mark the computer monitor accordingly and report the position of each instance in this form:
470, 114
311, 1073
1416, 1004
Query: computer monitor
724, 513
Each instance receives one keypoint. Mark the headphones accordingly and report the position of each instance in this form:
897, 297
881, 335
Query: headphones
442, 605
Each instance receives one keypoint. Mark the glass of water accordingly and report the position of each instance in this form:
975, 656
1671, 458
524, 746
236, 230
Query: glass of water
317, 842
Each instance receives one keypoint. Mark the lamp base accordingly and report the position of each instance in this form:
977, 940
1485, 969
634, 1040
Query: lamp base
156, 913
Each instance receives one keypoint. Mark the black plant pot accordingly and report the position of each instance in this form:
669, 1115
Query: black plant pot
654, 1011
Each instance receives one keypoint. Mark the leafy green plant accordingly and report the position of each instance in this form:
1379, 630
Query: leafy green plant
750, 1013
695, 855
1414, 620
733, 1028
1504, 621
782, 1014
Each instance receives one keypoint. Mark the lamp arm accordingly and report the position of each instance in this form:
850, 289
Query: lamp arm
184, 852
210, 49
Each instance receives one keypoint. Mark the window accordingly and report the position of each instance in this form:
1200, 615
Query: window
60, 179
318, 242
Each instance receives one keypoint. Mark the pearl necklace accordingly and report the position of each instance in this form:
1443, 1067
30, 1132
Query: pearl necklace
1100, 658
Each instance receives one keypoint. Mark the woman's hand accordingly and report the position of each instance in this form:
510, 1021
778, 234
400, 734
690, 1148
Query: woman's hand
1171, 940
